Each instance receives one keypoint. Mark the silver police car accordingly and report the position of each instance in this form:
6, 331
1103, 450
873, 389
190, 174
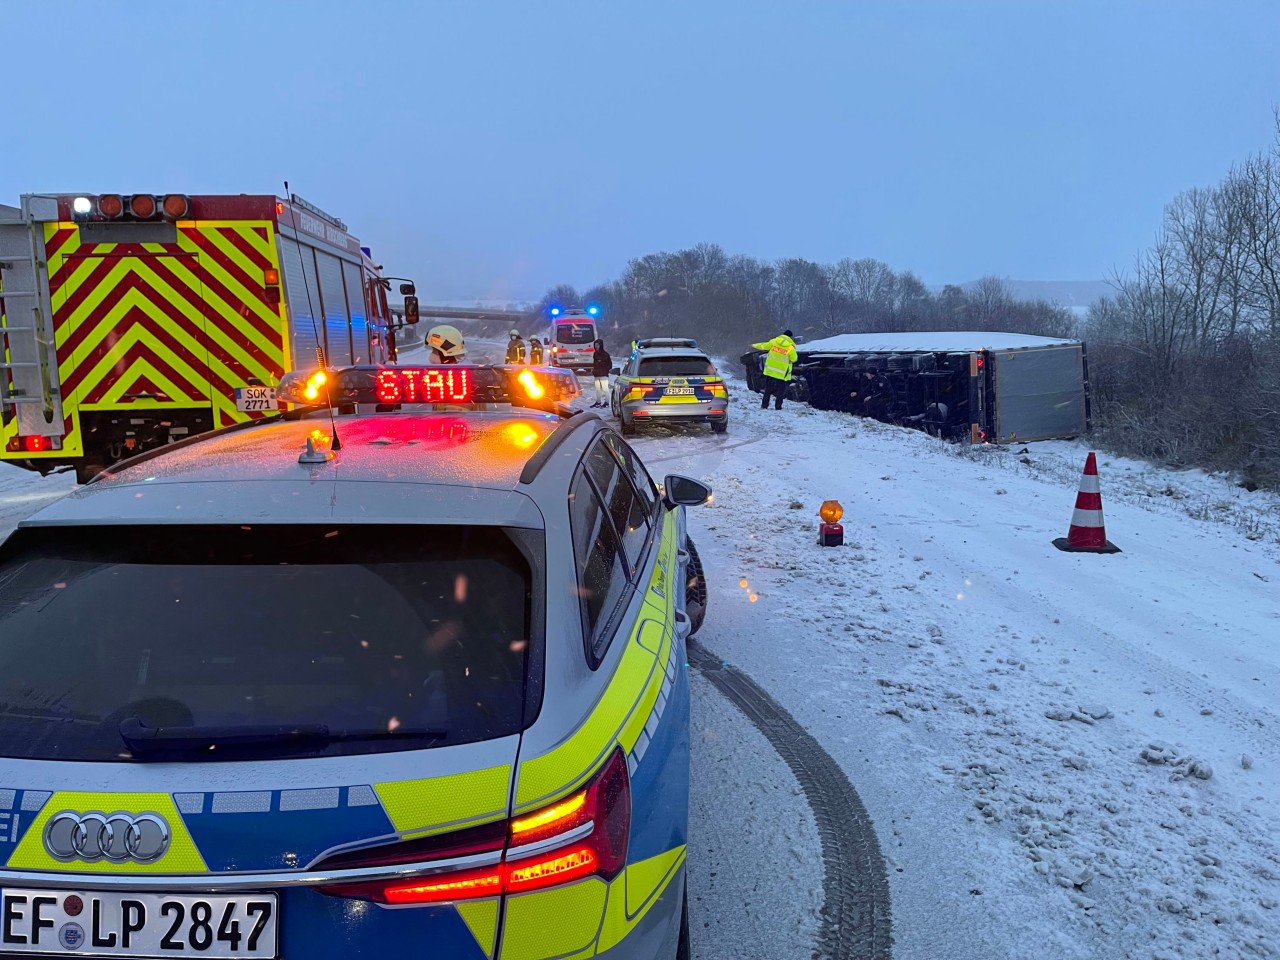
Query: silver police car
669, 379
402, 669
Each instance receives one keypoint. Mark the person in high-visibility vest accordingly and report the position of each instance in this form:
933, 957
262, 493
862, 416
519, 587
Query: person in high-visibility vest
515, 348
777, 367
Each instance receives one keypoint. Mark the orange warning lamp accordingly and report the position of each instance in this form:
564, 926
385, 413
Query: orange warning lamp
830, 533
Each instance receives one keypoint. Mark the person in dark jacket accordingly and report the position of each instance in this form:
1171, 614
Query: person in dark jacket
515, 348
601, 364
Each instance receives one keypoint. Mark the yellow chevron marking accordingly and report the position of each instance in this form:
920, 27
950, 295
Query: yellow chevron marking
106, 367
115, 395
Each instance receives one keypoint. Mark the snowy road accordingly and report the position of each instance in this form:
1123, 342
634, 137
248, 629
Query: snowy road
1030, 731
1023, 725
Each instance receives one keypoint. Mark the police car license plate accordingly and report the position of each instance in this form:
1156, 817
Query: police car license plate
678, 391
251, 399
96, 924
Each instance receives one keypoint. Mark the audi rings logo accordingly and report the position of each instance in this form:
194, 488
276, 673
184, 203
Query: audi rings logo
116, 838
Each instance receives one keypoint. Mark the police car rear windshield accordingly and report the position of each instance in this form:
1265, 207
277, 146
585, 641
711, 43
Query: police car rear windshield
575, 332
368, 639
676, 367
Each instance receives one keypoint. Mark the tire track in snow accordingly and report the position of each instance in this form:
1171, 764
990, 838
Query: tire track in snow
685, 454
855, 911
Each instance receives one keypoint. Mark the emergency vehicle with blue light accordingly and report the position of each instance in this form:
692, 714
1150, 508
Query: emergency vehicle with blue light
572, 337
400, 668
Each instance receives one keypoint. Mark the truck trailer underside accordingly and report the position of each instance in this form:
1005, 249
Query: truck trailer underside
999, 388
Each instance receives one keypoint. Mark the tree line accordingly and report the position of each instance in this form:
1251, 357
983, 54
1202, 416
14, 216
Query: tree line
728, 302
1185, 355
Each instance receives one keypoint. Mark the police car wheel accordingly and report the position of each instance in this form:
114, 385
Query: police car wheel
683, 949
720, 427
695, 591
626, 426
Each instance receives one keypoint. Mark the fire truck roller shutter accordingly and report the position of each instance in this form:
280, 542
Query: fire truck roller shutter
354, 284
337, 324
304, 321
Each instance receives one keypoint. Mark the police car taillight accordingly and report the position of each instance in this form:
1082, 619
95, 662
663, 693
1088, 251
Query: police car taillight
593, 825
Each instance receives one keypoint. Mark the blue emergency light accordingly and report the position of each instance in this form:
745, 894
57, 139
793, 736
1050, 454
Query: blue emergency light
555, 311
593, 310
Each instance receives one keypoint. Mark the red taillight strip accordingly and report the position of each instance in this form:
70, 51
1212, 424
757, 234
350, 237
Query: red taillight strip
595, 846
485, 884
550, 871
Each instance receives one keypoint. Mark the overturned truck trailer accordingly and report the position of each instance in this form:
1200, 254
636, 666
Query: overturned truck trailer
995, 387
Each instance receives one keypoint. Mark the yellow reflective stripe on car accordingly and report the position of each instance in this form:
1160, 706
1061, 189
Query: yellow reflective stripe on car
581, 919
556, 922
634, 893
622, 711
635, 723
543, 779
438, 804
481, 918
181, 857
646, 879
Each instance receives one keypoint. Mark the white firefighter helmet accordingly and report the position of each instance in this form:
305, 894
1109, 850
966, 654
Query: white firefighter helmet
515, 334
446, 340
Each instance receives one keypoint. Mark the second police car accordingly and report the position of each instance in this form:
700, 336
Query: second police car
669, 379
403, 675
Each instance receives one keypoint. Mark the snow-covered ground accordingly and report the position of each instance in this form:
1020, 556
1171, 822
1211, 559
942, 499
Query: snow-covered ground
1065, 755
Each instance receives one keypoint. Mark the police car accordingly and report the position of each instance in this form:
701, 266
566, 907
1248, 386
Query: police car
400, 672
669, 379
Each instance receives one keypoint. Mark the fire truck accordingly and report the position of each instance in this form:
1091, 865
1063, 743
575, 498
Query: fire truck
132, 321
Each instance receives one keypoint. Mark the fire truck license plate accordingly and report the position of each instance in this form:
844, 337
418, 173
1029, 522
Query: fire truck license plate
137, 924
256, 398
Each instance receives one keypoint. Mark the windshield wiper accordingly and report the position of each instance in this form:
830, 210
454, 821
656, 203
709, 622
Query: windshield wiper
143, 740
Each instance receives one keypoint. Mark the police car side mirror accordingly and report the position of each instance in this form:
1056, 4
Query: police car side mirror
684, 492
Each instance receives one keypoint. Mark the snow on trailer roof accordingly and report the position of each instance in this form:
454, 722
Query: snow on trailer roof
948, 341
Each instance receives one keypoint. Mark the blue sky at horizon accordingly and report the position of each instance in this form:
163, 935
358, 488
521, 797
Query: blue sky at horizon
494, 149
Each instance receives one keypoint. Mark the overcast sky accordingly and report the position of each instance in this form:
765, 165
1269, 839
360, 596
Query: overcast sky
494, 149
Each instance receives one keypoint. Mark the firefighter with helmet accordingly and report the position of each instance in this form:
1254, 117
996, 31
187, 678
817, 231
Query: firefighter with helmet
535, 352
446, 344
515, 348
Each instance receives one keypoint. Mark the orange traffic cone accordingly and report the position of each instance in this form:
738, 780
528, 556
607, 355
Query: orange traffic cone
1088, 534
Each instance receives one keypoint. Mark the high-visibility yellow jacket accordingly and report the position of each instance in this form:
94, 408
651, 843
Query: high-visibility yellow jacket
782, 354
